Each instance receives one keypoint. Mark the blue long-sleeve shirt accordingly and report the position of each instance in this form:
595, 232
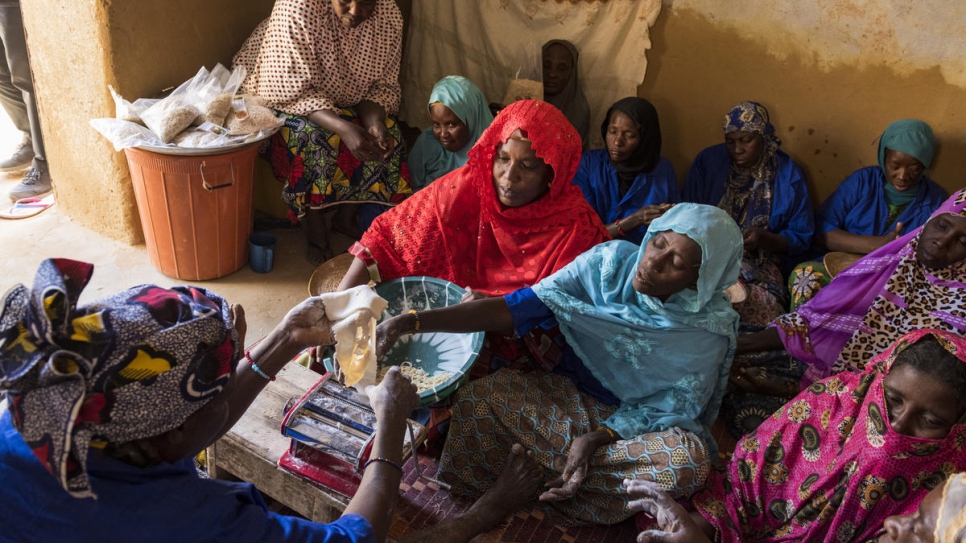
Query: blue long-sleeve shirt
163, 504
791, 209
597, 179
858, 206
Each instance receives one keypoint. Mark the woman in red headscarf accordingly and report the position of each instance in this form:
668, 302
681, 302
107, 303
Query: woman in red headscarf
508, 218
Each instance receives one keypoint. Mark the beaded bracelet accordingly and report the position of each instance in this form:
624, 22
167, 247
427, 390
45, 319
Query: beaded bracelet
415, 314
620, 231
256, 369
381, 459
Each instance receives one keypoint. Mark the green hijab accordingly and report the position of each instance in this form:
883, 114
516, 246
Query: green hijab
428, 160
911, 137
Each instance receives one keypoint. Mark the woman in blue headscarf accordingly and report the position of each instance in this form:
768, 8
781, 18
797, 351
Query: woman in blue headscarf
459, 113
874, 205
764, 190
649, 341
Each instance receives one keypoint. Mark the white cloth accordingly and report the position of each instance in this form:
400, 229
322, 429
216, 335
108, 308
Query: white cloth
481, 40
353, 314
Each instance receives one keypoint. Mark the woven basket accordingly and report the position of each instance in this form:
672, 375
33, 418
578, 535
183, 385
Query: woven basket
836, 262
326, 278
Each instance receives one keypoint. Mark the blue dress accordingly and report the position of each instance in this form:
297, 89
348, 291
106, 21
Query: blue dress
791, 209
165, 503
597, 178
858, 206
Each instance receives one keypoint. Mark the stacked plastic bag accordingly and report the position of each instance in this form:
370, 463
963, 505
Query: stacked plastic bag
205, 112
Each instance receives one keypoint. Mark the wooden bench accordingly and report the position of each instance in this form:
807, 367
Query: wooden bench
250, 450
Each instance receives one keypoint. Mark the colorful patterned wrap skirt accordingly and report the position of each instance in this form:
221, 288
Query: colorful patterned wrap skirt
545, 413
805, 281
318, 170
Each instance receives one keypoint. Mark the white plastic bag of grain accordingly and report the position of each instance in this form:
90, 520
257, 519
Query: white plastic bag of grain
168, 118
123, 109
249, 117
213, 97
124, 134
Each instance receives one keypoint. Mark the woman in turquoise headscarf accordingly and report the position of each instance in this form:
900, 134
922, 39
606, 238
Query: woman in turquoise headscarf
874, 205
649, 341
459, 113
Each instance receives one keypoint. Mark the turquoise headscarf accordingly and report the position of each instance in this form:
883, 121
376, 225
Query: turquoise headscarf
914, 138
668, 362
428, 160
909, 136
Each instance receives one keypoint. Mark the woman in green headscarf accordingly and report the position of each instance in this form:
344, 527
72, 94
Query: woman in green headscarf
459, 114
875, 204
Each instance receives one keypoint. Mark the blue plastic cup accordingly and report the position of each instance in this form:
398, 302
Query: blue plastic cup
261, 250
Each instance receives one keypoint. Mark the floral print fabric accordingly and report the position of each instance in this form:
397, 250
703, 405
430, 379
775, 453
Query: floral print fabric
828, 466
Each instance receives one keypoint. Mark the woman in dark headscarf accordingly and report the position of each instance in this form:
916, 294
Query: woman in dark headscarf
628, 182
561, 85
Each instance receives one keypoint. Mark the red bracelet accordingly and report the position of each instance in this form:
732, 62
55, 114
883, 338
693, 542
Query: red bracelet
256, 369
620, 231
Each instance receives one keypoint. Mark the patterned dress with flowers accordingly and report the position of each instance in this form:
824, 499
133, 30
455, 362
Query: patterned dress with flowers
828, 466
302, 59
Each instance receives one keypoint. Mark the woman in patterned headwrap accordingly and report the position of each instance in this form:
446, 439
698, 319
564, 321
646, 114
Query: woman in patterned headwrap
848, 452
110, 401
874, 205
764, 191
331, 67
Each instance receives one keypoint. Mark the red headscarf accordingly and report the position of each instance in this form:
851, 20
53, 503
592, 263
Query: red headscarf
456, 229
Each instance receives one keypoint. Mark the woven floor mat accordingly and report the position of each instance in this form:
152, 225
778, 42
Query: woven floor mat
423, 504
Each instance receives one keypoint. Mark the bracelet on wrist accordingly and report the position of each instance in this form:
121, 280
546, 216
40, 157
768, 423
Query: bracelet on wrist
381, 459
620, 231
256, 369
416, 324
614, 436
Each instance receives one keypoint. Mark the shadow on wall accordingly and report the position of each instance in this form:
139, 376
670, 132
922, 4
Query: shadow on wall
828, 120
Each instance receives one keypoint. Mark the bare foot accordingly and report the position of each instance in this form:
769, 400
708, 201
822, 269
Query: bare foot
514, 488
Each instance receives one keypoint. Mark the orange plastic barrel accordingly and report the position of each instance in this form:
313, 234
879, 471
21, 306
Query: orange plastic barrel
196, 211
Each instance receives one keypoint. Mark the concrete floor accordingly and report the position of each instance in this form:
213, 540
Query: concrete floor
27, 242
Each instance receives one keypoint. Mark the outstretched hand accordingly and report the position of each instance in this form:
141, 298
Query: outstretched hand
473, 295
674, 524
394, 398
646, 214
307, 325
387, 334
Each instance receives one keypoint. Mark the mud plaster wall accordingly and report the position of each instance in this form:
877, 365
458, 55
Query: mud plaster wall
833, 74
139, 47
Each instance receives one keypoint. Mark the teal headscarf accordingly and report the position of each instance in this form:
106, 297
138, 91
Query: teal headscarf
668, 362
428, 160
914, 138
